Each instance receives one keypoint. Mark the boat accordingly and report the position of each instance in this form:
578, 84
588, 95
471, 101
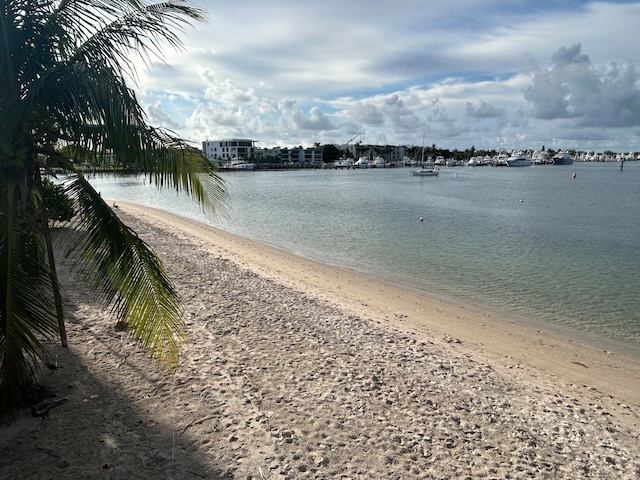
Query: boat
518, 159
501, 159
343, 163
478, 161
363, 162
379, 162
540, 157
426, 171
238, 164
562, 158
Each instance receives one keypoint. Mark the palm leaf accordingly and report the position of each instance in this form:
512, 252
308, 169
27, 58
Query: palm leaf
127, 275
26, 314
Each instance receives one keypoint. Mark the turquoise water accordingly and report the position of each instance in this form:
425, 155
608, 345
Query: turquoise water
532, 241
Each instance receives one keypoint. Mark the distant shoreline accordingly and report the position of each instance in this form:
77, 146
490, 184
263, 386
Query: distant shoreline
265, 167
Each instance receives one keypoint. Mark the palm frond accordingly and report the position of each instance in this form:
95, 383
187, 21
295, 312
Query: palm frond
26, 314
128, 276
186, 169
125, 27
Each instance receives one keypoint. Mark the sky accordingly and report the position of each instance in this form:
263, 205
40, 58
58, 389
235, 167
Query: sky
487, 74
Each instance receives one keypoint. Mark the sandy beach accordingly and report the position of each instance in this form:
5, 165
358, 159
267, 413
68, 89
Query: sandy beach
296, 370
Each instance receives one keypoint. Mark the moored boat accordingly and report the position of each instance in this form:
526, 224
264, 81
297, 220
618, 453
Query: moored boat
379, 162
501, 159
363, 162
238, 164
426, 172
540, 157
343, 163
478, 161
519, 159
562, 158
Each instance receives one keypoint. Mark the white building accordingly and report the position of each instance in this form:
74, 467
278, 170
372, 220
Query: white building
221, 151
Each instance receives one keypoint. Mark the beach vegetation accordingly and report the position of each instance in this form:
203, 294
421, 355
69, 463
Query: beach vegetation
66, 101
58, 205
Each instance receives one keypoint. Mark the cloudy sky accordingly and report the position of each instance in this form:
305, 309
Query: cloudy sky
483, 73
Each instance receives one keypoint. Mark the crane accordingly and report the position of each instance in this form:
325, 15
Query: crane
346, 146
353, 138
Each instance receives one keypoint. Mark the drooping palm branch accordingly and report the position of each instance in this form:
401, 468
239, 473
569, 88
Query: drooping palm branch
64, 66
128, 276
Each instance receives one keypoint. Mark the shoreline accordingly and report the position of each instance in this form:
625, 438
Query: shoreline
482, 330
294, 369
568, 333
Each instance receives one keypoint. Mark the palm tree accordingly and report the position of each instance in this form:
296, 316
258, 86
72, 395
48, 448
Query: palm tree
63, 65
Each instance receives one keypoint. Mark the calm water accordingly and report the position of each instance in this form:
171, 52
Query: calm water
532, 241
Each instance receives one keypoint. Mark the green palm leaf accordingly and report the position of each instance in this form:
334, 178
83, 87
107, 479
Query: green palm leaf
127, 275
64, 66
26, 313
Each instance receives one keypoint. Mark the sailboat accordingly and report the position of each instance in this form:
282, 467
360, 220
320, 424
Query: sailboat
425, 171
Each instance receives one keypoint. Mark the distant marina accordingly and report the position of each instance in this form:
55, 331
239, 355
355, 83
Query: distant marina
241, 154
516, 158
501, 159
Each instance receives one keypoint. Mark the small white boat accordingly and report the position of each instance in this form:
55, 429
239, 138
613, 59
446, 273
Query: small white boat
363, 162
519, 159
425, 169
540, 157
478, 161
343, 163
562, 158
426, 172
379, 162
501, 159
238, 164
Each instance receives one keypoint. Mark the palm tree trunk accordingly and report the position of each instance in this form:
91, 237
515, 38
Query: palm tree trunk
54, 282
53, 274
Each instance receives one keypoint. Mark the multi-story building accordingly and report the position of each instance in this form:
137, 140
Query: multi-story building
300, 156
221, 151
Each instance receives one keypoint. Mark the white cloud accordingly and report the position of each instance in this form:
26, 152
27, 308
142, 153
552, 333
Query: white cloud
483, 110
572, 88
294, 118
158, 118
475, 72
365, 113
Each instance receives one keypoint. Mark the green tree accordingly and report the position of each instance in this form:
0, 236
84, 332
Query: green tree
58, 204
63, 98
330, 153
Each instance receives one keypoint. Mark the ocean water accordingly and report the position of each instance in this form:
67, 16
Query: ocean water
534, 241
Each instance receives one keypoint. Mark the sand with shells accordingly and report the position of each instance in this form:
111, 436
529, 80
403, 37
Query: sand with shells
298, 370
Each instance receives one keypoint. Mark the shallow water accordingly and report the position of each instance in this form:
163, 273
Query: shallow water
532, 241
